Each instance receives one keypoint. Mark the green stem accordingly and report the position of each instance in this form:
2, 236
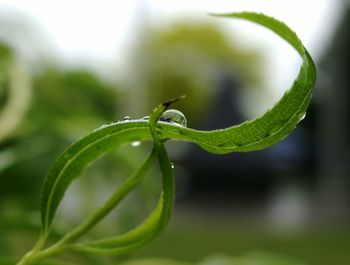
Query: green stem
36, 255
109, 205
29, 258
168, 186
151, 227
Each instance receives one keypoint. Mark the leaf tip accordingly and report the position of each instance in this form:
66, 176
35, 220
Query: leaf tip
169, 102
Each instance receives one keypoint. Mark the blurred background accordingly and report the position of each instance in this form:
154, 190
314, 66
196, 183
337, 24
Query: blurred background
67, 67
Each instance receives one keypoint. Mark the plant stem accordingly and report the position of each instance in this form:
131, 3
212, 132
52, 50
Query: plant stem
29, 258
36, 255
115, 198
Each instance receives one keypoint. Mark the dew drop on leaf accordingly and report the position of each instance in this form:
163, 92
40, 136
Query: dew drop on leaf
135, 143
126, 118
146, 118
302, 117
174, 116
101, 127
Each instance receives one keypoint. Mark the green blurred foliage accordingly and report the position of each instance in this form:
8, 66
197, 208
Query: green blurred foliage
77, 96
188, 59
6, 54
66, 104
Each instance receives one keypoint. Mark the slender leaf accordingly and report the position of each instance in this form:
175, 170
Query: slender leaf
256, 134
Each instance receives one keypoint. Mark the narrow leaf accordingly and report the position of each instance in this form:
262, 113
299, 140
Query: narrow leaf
256, 134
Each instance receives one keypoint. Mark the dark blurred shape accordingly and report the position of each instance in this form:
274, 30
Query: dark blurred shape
334, 123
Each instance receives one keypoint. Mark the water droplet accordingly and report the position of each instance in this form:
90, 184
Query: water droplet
135, 143
172, 165
101, 127
302, 117
146, 118
126, 118
174, 116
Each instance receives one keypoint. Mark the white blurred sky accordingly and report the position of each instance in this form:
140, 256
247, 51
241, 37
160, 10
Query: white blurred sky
98, 33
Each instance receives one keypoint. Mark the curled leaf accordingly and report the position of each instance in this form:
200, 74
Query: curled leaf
251, 135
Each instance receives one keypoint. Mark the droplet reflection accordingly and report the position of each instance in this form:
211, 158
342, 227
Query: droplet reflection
135, 143
126, 118
174, 116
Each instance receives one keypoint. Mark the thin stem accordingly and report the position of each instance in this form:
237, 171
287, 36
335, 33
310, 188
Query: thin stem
30, 256
109, 205
36, 255
168, 186
151, 227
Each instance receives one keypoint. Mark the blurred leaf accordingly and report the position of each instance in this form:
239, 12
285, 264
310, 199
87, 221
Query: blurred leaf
70, 101
65, 105
17, 86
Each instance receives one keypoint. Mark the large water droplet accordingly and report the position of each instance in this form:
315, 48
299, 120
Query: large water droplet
135, 143
174, 116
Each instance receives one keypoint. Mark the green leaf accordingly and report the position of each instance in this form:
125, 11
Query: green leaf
256, 134
150, 228
158, 219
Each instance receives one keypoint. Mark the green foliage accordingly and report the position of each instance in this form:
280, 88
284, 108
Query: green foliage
64, 106
61, 93
6, 54
260, 133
